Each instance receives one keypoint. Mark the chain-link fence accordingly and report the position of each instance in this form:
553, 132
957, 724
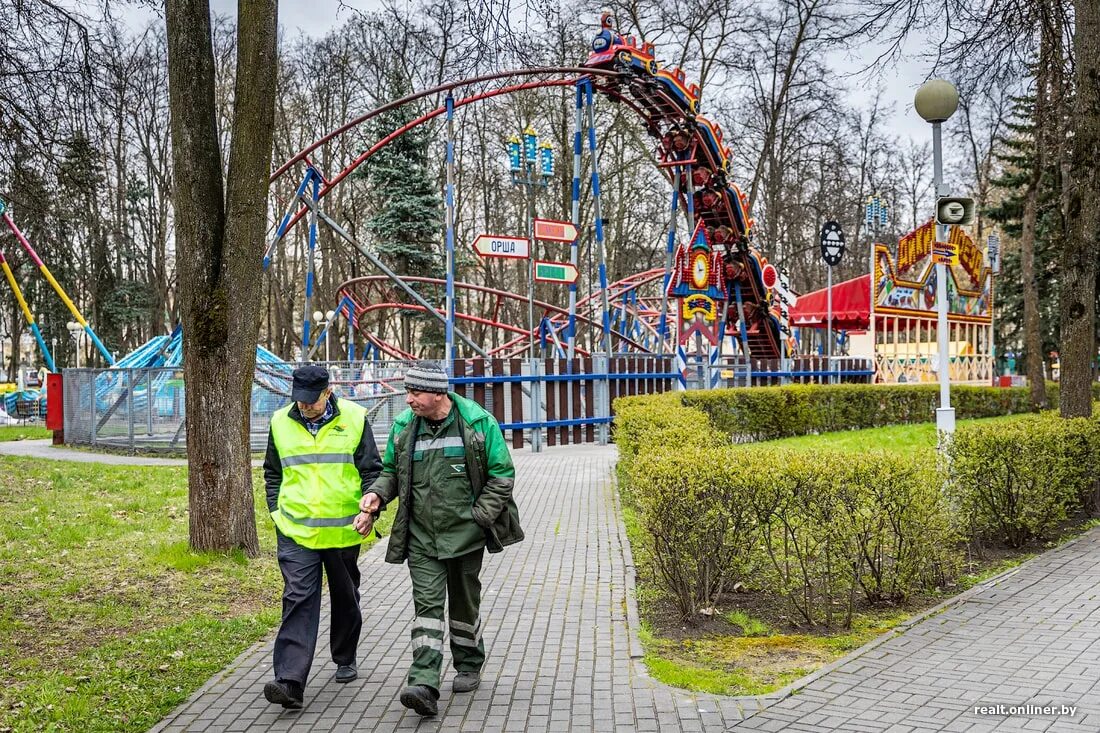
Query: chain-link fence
145, 409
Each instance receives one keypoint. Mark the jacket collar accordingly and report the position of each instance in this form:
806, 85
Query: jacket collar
296, 414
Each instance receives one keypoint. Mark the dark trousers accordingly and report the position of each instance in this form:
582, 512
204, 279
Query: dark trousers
297, 638
434, 581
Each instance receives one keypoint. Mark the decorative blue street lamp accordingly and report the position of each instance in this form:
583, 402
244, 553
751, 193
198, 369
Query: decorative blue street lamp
514, 153
546, 156
530, 142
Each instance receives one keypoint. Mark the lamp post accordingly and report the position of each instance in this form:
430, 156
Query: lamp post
324, 320
76, 331
876, 215
935, 102
531, 165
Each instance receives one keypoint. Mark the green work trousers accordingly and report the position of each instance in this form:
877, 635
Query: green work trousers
434, 581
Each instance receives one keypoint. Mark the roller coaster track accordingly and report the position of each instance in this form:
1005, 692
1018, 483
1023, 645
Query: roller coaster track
634, 307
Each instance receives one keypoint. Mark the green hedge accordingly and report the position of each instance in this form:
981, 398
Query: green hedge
768, 413
1017, 482
821, 530
827, 529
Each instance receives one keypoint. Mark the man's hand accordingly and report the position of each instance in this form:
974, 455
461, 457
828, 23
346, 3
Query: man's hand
370, 503
363, 523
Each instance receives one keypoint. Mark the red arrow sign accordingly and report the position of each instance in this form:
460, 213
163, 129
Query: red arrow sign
549, 230
494, 245
555, 272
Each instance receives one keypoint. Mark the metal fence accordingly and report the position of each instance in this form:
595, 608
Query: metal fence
539, 401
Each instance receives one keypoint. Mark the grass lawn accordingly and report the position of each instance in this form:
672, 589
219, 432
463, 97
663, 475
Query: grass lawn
23, 432
107, 619
750, 645
894, 438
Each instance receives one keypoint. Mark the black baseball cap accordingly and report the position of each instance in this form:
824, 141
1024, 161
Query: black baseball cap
309, 382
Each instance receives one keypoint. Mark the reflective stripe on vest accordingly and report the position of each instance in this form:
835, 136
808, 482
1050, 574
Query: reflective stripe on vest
321, 487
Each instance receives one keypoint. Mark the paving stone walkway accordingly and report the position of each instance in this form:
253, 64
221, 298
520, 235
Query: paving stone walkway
1029, 640
558, 611
561, 623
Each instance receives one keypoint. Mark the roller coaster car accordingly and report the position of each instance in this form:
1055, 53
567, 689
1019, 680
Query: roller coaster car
613, 50
711, 136
707, 199
673, 82
677, 139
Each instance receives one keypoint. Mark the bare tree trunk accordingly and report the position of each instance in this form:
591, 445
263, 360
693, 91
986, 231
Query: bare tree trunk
1033, 342
220, 242
1082, 247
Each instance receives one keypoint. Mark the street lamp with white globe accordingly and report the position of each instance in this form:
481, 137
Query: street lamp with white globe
77, 332
324, 320
935, 102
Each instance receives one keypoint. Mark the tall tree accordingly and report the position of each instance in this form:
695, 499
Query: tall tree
220, 228
407, 220
1082, 249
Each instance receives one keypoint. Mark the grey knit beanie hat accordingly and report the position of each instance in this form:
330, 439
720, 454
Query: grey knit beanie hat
427, 376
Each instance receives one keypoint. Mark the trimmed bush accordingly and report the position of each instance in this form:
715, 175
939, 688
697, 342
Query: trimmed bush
695, 510
827, 529
1016, 482
651, 422
768, 413
836, 526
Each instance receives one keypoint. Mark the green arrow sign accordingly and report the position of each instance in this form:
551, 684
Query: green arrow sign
555, 272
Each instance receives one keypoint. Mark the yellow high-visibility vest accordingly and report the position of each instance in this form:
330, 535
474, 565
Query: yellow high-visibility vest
321, 487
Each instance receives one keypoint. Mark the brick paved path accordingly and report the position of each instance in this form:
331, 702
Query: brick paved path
1032, 638
559, 615
555, 609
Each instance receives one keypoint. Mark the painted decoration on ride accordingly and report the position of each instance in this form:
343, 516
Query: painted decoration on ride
907, 285
698, 280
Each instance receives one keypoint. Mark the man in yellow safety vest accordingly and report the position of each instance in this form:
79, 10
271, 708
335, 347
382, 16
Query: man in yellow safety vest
321, 458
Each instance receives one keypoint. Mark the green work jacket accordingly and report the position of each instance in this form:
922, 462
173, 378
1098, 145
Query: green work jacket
489, 471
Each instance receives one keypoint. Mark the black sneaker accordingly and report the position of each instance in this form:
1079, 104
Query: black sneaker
421, 699
346, 673
285, 693
466, 681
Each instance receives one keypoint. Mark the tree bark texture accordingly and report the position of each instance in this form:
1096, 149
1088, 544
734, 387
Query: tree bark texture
219, 239
1082, 248
1033, 342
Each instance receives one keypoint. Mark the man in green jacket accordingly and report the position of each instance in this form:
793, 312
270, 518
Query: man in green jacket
321, 457
447, 462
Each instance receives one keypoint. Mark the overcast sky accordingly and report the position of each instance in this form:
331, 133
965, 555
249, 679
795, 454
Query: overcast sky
317, 17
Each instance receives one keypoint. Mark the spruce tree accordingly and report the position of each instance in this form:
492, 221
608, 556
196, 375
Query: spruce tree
1018, 158
407, 221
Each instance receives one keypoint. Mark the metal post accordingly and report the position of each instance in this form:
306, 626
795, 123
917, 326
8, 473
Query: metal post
574, 249
670, 247
130, 406
450, 351
594, 157
534, 368
871, 309
602, 364
829, 325
945, 415
149, 402
315, 196
533, 352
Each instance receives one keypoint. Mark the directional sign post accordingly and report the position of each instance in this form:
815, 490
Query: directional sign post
494, 245
549, 230
555, 272
945, 253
